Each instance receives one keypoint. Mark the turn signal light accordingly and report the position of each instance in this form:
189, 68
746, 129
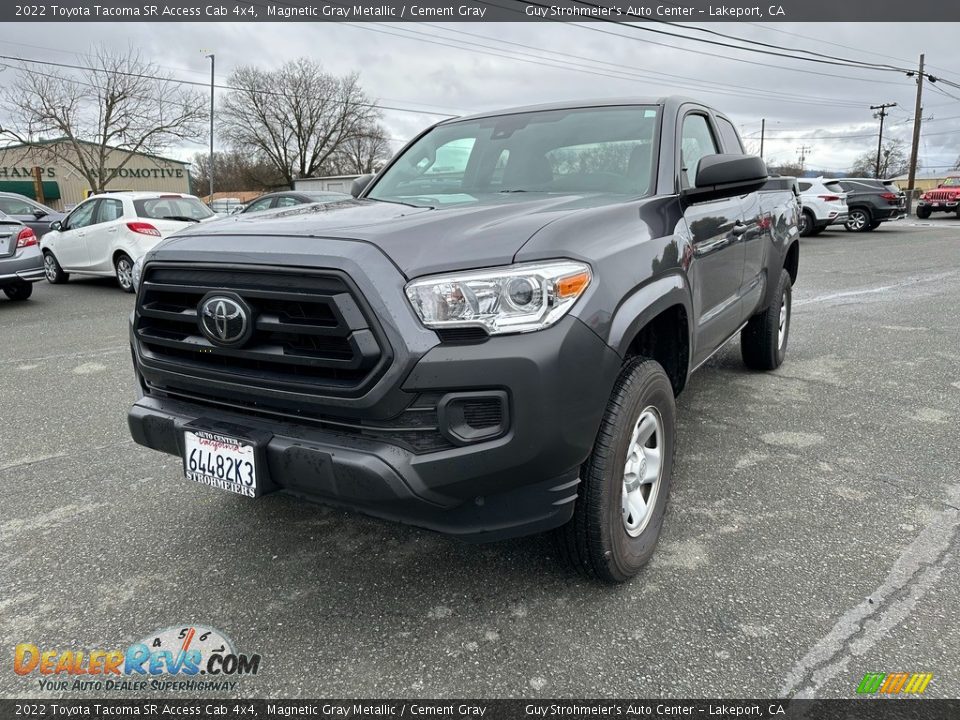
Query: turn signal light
26, 238
572, 285
143, 228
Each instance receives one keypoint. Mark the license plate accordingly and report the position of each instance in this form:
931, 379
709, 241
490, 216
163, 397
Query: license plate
220, 461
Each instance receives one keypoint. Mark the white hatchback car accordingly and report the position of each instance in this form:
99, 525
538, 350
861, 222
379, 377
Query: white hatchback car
824, 204
106, 234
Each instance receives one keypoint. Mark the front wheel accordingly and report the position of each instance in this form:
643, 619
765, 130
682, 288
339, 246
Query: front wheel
20, 291
923, 213
124, 267
625, 482
763, 342
858, 221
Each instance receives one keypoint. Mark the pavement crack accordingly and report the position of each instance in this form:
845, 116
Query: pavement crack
24, 463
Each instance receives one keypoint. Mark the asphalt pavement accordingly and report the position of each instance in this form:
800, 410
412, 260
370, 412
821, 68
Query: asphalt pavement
812, 533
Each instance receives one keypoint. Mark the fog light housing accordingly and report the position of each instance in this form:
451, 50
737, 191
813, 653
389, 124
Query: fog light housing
471, 417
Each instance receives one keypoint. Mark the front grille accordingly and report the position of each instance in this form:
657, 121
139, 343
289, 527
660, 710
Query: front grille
312, 332
941, 195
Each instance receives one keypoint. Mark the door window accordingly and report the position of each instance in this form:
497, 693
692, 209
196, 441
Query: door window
697, 141
15, 206
82, 217
110, 210
287, 201
259, 205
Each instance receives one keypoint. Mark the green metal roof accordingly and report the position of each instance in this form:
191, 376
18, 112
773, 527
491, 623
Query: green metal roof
51, 190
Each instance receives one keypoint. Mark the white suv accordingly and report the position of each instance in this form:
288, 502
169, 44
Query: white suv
824, 203
106, 234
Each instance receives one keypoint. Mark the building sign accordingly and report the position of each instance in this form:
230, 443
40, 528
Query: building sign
124, 172
25, 172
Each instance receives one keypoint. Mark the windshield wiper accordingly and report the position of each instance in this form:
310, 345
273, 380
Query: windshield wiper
182, 218
400, 202
521, 190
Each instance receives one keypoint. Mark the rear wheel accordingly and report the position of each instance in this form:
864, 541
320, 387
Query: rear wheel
626, 480
858, 220
763, 342
124, 267
874, 225
52, 269
807, 223
923, 213
20, 291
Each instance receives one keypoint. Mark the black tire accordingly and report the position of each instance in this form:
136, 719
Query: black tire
51, 268
807, 223
123, 268
923, 213
20, 291
858, 220
817, 230
761, 344
875, 224
596, 541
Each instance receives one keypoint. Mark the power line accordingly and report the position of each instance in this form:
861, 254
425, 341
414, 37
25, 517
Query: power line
196, 83
617, 71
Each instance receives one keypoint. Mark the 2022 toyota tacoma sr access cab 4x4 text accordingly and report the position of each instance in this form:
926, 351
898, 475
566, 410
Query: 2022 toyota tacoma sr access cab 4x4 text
488, 339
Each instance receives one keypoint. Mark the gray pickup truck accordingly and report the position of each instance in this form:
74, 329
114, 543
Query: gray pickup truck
487, 339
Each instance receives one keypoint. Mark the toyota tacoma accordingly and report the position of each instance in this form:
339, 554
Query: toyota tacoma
486, 340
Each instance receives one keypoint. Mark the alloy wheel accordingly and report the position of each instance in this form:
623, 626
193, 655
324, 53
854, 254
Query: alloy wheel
642, 471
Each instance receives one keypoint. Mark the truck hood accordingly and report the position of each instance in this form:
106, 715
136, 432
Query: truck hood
419, 240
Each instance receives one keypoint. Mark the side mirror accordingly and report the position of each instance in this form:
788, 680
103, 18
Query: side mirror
360, 184
940, 185
38, 213
723, 176
56, 225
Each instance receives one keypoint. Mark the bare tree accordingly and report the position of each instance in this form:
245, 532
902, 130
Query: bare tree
298, 117
363, 154
894, 161
235, 171
956, 165
114, 100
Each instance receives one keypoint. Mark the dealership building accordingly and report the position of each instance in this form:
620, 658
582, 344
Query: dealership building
61, 186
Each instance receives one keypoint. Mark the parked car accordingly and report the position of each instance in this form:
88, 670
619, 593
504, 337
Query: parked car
34, 215
946, 198
488, 341
289, 198
824, 204
871, 202
106, 234
20, 262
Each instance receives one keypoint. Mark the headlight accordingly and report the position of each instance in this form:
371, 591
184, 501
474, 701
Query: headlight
136, 273
511, 299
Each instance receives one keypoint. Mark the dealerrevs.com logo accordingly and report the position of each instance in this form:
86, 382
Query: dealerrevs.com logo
187, 657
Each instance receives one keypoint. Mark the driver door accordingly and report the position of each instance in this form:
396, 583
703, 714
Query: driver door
70, 247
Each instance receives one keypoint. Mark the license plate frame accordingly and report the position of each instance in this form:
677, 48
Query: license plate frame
243, 471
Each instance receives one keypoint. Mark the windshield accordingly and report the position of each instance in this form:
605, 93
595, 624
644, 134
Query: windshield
951, 182
591, 150
172, 208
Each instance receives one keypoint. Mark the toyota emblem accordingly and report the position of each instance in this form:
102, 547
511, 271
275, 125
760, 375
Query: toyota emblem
225, 320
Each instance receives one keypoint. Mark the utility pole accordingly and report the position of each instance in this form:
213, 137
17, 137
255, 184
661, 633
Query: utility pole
802, 155
763, 131
882, 114
212, 86
917, 118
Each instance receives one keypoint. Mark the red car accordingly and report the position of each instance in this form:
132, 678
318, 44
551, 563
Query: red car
946, 198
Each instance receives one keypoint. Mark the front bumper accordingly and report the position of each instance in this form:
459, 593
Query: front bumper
556, 382
940, 205
26, 265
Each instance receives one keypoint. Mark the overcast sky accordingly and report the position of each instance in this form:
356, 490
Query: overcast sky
433, 69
